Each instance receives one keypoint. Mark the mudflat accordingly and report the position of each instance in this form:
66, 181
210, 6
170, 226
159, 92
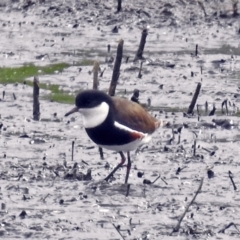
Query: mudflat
42, 197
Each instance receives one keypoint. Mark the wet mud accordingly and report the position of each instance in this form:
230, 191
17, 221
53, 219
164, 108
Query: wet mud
46, 192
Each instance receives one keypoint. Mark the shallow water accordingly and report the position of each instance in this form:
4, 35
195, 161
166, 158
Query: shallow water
33, 168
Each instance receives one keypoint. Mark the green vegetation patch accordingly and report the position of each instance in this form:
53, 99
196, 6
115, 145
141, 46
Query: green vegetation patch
19, 74
9, 75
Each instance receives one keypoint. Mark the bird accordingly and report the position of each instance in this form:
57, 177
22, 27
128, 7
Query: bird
115, 124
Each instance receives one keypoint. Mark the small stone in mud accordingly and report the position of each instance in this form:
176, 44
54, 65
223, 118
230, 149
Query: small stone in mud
25, 197
23, 214
146, 181
75, 25
3, 206
212, 153
107, 165
24, 136
178, 170
115, 29
210, 173
165, 149
26, 190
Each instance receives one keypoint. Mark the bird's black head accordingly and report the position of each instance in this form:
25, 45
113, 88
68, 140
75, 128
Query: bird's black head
91, 99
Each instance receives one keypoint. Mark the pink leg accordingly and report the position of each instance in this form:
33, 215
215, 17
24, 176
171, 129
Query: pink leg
129, 164
117, 167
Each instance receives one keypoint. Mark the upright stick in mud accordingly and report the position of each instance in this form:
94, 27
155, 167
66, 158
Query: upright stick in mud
139, 54
116, 69
95, 74
36, 104
119, 6
194, 99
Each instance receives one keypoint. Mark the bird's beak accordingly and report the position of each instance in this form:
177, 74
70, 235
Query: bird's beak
72, 111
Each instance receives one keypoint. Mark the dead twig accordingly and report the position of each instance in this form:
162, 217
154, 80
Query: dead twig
231, 178
177, 227
200, 2
228, 226
118, 231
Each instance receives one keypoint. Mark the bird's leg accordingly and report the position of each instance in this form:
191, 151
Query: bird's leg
129, 164
117, 167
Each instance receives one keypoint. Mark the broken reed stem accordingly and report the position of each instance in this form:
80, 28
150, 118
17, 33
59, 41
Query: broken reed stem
206, 107
95, 86
116, 69
36, 104
196, 50
95, 74
176, 229
226, 105
139, 54
119, 7
128, 188
194, 148
73, 142
194, 99
101, 153
14, 96
140, 70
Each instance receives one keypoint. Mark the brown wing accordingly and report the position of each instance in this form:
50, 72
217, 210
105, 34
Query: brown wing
134, 116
